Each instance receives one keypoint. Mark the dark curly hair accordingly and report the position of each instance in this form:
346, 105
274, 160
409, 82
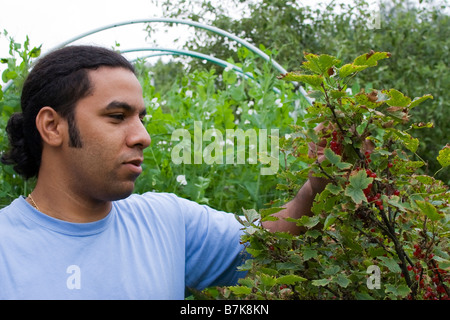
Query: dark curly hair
59, 80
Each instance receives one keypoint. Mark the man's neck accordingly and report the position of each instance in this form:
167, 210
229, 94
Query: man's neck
55, 201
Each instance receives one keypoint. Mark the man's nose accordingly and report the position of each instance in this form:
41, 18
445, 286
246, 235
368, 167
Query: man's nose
139, 135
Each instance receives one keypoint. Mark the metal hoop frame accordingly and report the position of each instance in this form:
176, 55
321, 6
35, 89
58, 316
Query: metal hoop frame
183, 52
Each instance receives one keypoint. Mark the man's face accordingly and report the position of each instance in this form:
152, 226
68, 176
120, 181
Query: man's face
112, 135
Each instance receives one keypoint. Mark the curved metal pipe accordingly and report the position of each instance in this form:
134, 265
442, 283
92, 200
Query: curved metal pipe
186, 22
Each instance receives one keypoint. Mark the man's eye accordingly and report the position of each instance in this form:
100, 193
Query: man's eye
117, 116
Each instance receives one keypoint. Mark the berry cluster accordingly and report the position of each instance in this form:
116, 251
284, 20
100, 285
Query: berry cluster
376, 198
436, 289
335, 143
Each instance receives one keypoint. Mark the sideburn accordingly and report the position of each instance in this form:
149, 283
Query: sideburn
74, 134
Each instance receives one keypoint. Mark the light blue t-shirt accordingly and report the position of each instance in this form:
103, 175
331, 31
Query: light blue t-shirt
150, 246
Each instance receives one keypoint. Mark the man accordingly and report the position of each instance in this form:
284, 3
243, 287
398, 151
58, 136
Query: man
81, 233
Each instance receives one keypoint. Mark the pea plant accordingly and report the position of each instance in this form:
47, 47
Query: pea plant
380, 228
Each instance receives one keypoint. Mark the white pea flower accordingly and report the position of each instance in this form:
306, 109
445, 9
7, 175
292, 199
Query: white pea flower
181, 179
278, 103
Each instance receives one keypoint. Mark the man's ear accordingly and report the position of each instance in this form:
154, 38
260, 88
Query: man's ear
51, 126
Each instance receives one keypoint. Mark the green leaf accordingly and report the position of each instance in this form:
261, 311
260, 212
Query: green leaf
408, 141
321, 282
363, 296
402, 290
334, 189
418, 101
267, 280
251, 215
320, 64
329, 221
348, 69
290, 279
313, 80
429, 210
331, 270
422, 125
308, 222
241, 290
444, 156
342, 280
370, 59
390, 263
309, 254
358, 182
331, 156
397, 99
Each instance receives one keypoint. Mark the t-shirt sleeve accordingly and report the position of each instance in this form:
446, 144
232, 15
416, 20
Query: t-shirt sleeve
213, 246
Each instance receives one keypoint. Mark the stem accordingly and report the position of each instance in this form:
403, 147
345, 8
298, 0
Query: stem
400, 252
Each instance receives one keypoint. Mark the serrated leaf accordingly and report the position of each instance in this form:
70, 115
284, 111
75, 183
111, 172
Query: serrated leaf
344, 165
390, 263
370, 59
396, 98
334, 189
422, 125
321, 282
313, 80
309, 254
241, 290
320, 63
290, 279
408, 141
331, 156
336, 94
267, 280
419, 100
358, 182
444, 156
269, 211
329, 221
348, 69
363, 296
308, 222
251, 215
429, 210
369, 100
331, 270
402, 290
342, 280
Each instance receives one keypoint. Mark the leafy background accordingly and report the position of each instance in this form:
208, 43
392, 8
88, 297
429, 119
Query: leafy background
183, 91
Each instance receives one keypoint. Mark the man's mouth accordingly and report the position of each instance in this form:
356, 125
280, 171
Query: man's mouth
134, 165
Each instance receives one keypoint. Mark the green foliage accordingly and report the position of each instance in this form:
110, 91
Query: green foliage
17, 68
222, 102
378, 210
417, 35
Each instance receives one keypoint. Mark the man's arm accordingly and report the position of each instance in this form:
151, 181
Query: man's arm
297, 207
302, 203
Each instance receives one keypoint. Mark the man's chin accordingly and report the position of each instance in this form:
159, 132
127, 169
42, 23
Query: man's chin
123, 193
